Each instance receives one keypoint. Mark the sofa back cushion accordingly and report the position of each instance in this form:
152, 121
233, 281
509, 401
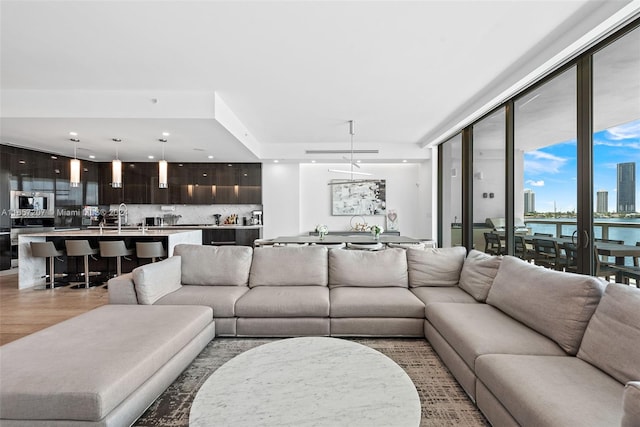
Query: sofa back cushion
368, 268
214, 265
478, 272
556, 304
153, 281
613, 334
435, 266
289, 266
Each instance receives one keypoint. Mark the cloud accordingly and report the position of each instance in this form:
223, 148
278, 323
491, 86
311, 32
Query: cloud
533, 183
626, 131
538, 162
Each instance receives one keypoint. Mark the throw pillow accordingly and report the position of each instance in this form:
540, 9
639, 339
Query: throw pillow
478, 271
435, 266
554, 303
612, 336
153, 281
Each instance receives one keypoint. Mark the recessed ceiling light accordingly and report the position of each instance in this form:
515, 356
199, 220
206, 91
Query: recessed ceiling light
56, 170
229, 164
91, 156
210, 157
276, 161
180, 164
313, 161
54, 157
165, 134
85, 169
404, 161
204, 174
22, 162
73, 133
358, 161
150, 157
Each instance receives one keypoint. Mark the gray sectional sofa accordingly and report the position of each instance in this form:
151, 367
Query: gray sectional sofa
530, 346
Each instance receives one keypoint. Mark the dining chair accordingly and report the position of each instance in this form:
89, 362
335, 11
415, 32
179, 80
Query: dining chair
570, 257
522, 250
603, 258
547, 254
604, 269
492, 244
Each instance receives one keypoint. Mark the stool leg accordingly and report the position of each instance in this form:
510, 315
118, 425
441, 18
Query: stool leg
86, 271
119, 265
52, 277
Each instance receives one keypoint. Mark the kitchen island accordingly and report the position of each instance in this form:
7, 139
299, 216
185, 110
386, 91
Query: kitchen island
31, 269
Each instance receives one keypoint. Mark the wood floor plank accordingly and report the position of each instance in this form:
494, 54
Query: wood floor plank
23, 312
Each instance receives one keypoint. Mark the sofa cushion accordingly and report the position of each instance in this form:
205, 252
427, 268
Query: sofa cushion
431, 294
377, 302
289, 266
611, 341
435, 266
368, 268
284, 301
631, 405
551, 391
111, 351
214, 265
222, 299
556, 304
478, 272
153, 281
476, 329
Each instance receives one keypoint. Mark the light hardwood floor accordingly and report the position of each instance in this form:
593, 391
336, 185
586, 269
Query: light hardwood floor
23, 312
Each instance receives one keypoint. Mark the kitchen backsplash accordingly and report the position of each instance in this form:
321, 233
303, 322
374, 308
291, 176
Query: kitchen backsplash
189, 214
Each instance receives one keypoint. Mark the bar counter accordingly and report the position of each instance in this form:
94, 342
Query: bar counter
31, 269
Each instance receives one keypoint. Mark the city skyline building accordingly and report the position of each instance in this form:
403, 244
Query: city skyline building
602, 202
626, 188
529, 201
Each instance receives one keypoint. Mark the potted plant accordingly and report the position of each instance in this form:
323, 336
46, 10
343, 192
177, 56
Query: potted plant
376, 230
322, 230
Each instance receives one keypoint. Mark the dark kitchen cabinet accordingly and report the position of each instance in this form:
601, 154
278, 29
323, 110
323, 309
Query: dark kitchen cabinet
250, 183
179, 183
246, 236
203, 180
107, 194
226, 183
218, 237
136, 182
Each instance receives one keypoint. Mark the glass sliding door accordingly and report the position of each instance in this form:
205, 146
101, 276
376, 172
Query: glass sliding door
616, 142
489, 202
450, 233
545, 162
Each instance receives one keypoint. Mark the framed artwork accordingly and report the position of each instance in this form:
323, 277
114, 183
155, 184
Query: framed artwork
359, 198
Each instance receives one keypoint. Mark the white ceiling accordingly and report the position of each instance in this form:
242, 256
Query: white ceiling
255, 81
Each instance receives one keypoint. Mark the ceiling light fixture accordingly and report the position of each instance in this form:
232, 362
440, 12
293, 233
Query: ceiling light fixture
116, 167
351, 172
163, 181
74, 164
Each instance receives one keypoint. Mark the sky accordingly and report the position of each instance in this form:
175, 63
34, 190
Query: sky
551, 171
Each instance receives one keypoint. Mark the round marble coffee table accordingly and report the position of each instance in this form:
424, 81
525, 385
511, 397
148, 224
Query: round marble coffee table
310, 381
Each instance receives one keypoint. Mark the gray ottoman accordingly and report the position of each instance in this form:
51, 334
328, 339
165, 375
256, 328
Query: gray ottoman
102, 368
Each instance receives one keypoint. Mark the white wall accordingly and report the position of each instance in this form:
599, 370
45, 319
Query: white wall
280, 199
408, 189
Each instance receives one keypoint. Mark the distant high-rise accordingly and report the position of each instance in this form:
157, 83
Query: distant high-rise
626, 192
602, 202
529, 202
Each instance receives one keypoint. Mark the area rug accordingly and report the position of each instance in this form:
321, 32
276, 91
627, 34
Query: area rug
444, 403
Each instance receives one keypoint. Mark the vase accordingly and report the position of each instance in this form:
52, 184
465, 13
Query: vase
376, 236
321, 236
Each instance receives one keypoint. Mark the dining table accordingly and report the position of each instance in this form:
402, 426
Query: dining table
336, 239
619, 251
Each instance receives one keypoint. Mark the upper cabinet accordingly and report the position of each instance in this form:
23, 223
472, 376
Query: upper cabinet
189, 183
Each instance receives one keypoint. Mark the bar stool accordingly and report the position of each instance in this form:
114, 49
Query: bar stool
117, 249
151, 250
82, 248
47, 250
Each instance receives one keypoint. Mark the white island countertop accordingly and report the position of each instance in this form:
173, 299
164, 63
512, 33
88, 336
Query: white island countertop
32, 269
181, 227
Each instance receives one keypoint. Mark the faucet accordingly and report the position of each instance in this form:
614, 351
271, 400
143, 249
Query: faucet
122, 209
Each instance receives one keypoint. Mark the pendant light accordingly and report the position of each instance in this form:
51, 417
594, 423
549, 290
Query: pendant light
116, 168
351, 172
162, 167
74, 175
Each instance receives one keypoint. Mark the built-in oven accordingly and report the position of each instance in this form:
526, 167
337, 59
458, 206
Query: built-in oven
32, 204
